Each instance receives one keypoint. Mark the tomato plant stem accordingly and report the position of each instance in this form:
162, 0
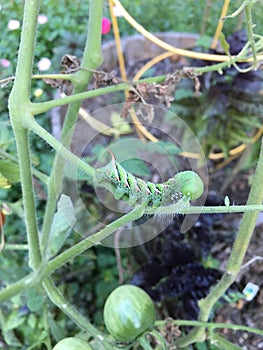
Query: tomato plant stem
48, 268
239, 249
41, 107
33, 125
19, 107
92, 58
250, 32
95, 239
211, 325
61, 302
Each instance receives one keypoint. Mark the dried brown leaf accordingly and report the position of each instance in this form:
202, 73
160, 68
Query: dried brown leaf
104, 79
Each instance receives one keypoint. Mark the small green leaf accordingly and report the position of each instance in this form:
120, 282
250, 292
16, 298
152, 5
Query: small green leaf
41, 339
11, 339
34, 299
9, 170
57, 330
4, 183
14, 320
201, 346
32, 321
227, 201
35, 303
6, 135
121, 126
63, 222
224, 43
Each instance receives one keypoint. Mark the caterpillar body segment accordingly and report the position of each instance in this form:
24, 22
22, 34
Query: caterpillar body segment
135, 190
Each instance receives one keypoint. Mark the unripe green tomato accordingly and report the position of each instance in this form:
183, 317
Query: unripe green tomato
72, 343
128, 312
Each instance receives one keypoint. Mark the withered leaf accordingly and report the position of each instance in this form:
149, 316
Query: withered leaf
104, 79
70, 62
164, 92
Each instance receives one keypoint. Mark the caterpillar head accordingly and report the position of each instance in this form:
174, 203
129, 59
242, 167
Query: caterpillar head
190, 184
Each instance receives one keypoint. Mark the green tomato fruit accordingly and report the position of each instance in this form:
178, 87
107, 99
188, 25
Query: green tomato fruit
128, 312
72, 343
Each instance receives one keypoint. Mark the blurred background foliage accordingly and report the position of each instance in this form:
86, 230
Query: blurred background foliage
60, 30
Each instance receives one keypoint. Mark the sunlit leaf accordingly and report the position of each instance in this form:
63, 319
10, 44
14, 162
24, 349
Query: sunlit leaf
121, 126
9, 170
4, 183
224, 43
62, 225
14, 320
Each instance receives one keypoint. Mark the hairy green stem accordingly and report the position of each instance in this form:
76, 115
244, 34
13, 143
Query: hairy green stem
66, 256
250, 32
16, 288
223, 343
32, 125
166, 210
46, 325
38, 174
19, 107
176, 209
143, 341
94, 239
16, 246
238, 252
48, 268
23, 74
80, 247
61, 302
211, 325
92, 58
42, 107
23, 152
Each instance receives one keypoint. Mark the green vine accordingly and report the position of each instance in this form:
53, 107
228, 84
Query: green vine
22, 116
82, 78
19, 107
236, 257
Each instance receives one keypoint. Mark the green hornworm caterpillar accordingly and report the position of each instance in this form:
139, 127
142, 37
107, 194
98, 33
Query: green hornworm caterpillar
135, 190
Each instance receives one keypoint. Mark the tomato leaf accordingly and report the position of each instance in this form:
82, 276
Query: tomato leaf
225, 45
56, 328
137, 167
9, 170
35, 303
4, 183
14, 320
11, 339
121, 126
63, 222
6, 326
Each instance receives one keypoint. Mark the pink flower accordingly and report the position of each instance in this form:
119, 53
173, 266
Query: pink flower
13, 24
105, 26
42, 19
4, 62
